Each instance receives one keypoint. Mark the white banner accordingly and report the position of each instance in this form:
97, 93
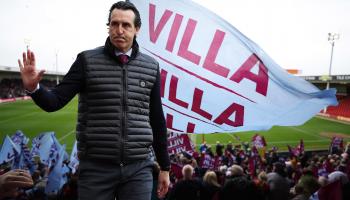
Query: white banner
214, 79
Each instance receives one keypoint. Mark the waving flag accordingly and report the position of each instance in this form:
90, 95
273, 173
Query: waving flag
214, 79
58, 146
253, 160
9, 150
24, 159
178, 143
74, 160
19, 138
299, 149
56, 176
258, 141
337, 145
42, 146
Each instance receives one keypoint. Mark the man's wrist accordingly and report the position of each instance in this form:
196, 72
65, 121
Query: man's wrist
33, 91
166, 169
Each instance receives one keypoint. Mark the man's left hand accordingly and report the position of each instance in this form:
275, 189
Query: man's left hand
163, 183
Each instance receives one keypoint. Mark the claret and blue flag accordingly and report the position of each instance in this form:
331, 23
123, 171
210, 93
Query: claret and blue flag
215, 79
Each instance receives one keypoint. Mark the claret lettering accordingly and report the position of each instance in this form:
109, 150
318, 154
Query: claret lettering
243, 72
233, 115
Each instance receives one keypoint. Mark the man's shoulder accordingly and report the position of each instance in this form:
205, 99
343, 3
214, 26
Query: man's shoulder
93, 52
146, 58
272, 175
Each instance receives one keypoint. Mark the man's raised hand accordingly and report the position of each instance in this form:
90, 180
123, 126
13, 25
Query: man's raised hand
30, 77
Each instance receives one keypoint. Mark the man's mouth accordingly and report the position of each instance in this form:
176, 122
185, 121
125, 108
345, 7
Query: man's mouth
119, 39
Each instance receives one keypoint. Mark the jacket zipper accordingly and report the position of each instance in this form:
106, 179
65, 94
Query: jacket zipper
123, 122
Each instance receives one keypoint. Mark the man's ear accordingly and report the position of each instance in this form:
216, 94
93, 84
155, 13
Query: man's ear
137, 30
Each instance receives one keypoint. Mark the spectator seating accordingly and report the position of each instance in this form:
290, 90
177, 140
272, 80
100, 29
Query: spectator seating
12, 88
342, 109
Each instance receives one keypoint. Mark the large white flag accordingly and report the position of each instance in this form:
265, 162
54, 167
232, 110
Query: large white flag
214, 79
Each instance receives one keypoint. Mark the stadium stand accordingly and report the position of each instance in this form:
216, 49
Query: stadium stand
12, 88
11, 82
343, 108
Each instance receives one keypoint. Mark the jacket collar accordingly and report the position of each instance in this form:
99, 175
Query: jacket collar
110, 48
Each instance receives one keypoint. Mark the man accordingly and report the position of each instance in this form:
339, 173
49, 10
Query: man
120, 117
187, 188
279, 185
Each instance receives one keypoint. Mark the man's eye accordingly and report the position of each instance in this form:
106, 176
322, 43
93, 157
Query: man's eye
126, 25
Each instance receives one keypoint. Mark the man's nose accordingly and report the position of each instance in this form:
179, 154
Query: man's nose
120, 29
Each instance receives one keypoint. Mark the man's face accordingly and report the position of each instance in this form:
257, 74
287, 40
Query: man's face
122, 29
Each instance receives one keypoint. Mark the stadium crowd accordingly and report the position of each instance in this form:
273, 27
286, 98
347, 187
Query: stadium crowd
236, 173
222, 172
12, 88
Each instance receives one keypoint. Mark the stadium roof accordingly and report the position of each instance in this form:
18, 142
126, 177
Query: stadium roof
16, 70
343, 79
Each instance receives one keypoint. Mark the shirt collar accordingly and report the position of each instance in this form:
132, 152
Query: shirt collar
128, 53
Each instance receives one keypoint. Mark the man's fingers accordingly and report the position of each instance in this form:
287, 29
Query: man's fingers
40, 75
29, 56
24, 58
19, 184
22, 173
18, 177
163, 183
19, 181
162, 190
32, 60
20, 65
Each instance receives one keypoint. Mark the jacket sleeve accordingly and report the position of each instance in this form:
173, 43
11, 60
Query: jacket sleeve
56, 98
158, 124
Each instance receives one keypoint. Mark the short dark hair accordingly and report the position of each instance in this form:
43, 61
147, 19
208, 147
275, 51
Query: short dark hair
126, 5
280, 168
